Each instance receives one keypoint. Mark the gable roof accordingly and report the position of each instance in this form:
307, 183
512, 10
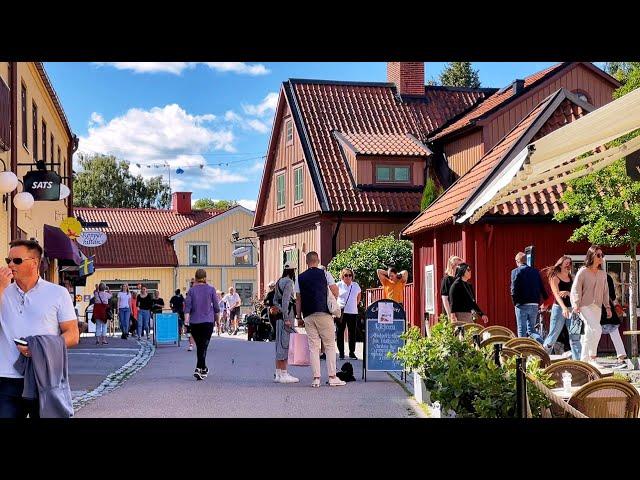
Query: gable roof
506, 95
139, 236
551, 113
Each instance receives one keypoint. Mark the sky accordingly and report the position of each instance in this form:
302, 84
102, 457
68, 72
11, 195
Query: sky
210, 120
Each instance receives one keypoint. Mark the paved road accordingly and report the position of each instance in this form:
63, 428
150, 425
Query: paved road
240, 385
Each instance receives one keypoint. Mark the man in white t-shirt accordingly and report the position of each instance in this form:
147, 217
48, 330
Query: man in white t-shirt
29, 306
233, 304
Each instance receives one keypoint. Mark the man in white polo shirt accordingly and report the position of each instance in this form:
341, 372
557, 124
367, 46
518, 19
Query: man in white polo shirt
28, 306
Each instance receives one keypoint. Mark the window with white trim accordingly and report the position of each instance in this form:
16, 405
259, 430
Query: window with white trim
289, 132
297, 185
247, 258
429, 289
245, 291
280, 190
198, 254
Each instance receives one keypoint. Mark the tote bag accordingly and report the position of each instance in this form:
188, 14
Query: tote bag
299, 353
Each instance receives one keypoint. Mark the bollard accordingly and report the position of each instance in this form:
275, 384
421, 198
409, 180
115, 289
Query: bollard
497, 348
521, 388
477, 340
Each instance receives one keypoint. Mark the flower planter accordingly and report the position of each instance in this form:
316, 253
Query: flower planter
421, 393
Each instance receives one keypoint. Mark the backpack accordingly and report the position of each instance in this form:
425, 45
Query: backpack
346, 373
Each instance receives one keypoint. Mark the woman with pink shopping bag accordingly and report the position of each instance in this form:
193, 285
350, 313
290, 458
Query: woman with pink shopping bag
283, 310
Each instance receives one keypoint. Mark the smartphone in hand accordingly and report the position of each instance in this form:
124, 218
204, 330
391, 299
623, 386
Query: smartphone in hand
20, 341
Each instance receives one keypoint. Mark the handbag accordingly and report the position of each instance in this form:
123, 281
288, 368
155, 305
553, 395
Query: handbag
299, 352
576, 325
99, 311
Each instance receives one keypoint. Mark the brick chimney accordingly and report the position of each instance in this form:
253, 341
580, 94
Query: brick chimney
181, 202
408, 77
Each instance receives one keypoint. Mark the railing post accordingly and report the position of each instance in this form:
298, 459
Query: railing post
521, 388
497, 348
477, 340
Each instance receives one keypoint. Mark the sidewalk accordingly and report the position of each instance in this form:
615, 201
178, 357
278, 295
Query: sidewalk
240, 384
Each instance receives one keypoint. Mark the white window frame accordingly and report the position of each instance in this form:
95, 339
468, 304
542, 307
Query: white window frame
197, 244
284, 191
297, 201
611, 258
253, 290
241, 244
429, 303
288, 132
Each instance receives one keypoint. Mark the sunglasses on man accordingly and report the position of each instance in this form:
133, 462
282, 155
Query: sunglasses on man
348, 275
17, 260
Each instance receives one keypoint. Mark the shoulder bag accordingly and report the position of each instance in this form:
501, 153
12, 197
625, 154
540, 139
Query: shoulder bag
332, 303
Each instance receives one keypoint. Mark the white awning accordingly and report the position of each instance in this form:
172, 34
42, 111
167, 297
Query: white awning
552, 159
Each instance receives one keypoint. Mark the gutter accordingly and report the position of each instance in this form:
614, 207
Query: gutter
13, 81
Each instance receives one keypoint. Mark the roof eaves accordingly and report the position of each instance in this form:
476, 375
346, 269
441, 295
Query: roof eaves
54, 96
339, 82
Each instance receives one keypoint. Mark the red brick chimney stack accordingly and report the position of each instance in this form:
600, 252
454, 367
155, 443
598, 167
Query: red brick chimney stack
181, 202
408, 77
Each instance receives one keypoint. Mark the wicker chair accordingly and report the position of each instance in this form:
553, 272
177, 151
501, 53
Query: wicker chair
457, 324
495, 339
530, 351
506, 353
472, 327
607, 398
581, 372
494, 330
516, 342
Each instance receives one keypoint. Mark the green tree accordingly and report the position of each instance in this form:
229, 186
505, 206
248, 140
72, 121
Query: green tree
431, 192
106, 182
368, 255
207, 203
621, 70
460, 74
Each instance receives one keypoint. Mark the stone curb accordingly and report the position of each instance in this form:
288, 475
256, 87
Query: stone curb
117, 378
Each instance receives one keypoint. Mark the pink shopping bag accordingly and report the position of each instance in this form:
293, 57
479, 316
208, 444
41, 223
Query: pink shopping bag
299, 354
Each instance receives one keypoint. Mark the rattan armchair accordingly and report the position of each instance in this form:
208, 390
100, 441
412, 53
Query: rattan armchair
516, 342
607, 398
506, 353
531, 351
495, 339
581, 372
495, 330
472, 327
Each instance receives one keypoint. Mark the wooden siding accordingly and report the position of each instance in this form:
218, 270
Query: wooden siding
577, 77
304, 240
286, 155
355, 231
464, 152
366, 168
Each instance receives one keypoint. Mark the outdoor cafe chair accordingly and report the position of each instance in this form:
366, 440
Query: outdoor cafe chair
494, 330
472, 327
531, 351
581, 372
507, 353
515, 342
493, 340
607, 398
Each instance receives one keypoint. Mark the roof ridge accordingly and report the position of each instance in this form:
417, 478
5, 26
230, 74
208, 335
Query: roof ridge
314, 81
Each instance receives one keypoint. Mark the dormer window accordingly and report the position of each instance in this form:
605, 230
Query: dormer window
393, 174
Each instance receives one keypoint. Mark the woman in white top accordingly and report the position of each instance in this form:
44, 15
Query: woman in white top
124, 309
589, 293
348, 299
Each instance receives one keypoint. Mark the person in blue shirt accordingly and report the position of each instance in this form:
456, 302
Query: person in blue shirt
526, 291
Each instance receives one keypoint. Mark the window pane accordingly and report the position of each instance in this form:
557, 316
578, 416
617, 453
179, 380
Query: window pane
383, 174
198, 255
280, 190
245, 291
246, 259
298, 185
401, 174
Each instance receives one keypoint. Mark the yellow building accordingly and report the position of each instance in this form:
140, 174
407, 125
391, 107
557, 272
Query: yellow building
162, 249
33, 127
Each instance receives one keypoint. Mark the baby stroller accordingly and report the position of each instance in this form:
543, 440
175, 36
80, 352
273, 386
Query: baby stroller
258, 329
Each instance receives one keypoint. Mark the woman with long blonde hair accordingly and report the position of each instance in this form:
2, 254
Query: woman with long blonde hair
447, 281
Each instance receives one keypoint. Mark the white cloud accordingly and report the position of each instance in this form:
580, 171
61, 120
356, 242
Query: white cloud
257, 167
258, 126
176, 68
96, 118
264, 108
249, 204
231, 116
253, 124
164, 139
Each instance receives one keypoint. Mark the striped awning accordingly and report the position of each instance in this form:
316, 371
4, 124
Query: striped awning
560, 156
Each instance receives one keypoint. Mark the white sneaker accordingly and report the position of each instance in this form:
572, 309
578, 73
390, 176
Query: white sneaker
287, 378
276, 377
336, 382
566, 354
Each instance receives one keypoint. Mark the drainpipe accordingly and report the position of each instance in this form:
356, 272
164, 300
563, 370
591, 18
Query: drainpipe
13, 81
71, 149
334, 239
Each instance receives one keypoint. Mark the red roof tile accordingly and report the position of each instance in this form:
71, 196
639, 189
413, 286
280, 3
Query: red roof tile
394, 144
370, 110
547, 202
495, 101
138, 237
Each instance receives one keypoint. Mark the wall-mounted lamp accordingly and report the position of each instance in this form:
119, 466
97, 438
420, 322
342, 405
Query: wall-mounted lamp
8, 183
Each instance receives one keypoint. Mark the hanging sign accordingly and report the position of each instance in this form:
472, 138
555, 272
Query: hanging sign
44, 185
71, 227
92, 238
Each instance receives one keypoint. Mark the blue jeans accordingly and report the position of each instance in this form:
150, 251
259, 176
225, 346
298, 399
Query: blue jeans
101, 328
555, 328
125, 313
12, 405
143, 321
526, 316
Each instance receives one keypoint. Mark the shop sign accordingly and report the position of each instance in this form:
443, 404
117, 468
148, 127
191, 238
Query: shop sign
92, 238
44, 185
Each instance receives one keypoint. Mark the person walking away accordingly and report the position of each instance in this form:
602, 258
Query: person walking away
233, 301
526, 291
176, 303
101, 302
461, 298
224, 311
284, 322
447, 281
124, 309
133, 320
311, 302
30, 306
145, 305
561, 280
200, 312
393, 283
349, 295
611, 326
589, 293
268, 302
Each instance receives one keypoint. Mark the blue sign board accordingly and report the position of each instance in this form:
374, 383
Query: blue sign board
166, 328
385, 322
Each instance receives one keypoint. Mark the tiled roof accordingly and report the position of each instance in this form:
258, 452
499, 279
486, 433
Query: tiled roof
138, 237
496, 100
370, 110
394, 144
544, 203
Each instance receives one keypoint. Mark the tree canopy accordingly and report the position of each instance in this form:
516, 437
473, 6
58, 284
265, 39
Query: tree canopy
460, 74
207, 203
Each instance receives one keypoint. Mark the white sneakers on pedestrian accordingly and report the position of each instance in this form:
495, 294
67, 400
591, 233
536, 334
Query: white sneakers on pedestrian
276, 376
190, 348
285, 377
567, 354
336, 382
